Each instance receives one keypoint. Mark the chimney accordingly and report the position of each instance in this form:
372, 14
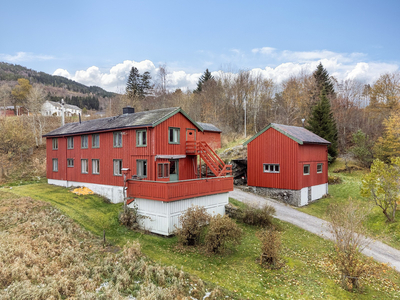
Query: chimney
128, 110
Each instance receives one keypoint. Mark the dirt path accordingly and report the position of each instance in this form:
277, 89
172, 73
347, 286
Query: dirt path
379, 251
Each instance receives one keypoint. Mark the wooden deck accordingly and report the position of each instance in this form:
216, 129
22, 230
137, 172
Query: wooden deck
178, 190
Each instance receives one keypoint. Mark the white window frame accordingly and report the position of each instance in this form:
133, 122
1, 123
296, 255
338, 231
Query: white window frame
139, 138
95, 137
117, 139
96, 166
55, 164
304, 170
55, 143
117, 167
84, 141
271, 168
141, 168
320, 165
84, 166
174, 133
70, 142
69, 164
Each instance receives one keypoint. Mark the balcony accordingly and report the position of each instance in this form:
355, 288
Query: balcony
177, 190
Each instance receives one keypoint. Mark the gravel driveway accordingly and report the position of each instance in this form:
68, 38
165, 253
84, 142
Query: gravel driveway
379, 251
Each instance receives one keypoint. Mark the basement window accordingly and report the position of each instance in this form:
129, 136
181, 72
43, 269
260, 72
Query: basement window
55, 143
141, 168
141, 138
70, 142
173, 135
319, 168
55, 164
163, 170
84, 166
271, 168
84, 141
70, 162
117, 166
306, 170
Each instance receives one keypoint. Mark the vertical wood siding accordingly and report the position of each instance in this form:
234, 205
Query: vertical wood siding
212, 138
313, 155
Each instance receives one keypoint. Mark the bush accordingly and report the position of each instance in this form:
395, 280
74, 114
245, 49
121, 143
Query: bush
129, 218
332, 179
270, 247
192, 224
258, 216
222, 231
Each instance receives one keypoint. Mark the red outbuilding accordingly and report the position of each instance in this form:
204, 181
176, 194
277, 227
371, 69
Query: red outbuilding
211, 134
288, 163
152, 155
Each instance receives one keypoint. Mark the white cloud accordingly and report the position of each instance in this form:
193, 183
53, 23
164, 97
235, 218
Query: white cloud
264, 50
24, 56
62, 72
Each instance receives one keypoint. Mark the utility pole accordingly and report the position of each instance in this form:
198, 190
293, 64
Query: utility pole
62, 113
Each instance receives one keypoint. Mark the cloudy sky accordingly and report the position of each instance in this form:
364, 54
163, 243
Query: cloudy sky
97, 42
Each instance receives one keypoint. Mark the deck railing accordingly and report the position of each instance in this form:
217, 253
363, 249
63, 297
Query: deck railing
178, 190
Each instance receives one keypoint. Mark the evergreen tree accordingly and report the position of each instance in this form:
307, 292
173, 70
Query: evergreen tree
323, 81
133, 83
204, 78
323, 124
144, 84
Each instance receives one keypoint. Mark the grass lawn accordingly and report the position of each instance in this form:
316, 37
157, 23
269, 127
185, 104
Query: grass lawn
377, 226
307, 273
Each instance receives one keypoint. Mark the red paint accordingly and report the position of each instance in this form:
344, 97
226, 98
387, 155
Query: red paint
273, 147
212, 138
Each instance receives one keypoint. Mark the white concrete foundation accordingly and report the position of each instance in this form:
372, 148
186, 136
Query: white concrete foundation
114, 193
317, 192
164, 216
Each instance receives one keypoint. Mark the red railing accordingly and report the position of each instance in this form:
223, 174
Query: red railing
178, 190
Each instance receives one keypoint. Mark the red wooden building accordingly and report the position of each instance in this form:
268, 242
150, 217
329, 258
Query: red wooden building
288, 163
211, 134
158, 153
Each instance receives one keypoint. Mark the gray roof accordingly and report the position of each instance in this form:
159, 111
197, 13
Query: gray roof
298, 134
209, 127
149, 118
70, 106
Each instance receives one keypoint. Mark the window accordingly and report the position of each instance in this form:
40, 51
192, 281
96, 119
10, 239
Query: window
55, 164
141, 138
117, 139
141, 166
85, 166
306, 170
96, 166
163, 170
55, 143
70, 142
95, 140
173, 135
271, 168
319, 168
117, 167
84, 141
70, 162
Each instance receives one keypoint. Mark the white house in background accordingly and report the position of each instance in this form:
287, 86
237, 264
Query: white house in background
50, 108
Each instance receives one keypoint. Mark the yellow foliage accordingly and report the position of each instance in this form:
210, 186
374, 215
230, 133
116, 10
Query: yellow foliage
389, 144
82, 191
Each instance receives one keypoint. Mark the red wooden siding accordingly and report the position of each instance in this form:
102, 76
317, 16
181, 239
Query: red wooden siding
172, 191
212, 138
313, 154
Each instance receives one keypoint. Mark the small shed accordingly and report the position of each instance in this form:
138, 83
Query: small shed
288, 163
211, 135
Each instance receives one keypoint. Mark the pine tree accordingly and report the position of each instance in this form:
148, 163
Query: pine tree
132, 85
204, 78
144, 84
323, 81
323, 124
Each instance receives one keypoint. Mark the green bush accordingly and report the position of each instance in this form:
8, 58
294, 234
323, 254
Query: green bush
222, 231
192, 224
254, 215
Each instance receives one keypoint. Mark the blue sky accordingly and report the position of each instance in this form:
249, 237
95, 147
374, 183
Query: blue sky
97, 42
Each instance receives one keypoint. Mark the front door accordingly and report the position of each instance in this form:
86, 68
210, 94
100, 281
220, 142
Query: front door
174, 170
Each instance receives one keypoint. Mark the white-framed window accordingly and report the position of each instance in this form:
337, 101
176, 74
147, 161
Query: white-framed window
306, 169
55, 164
141, 138
117, 166
70, 162
84, 141
96, 140
55, 143
96, 166
173, 135
319, 168
70, 142
84, 166
163, 170
141, 167
271, 168
117, 138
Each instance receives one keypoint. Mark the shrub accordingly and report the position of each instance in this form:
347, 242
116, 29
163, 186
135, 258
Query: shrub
270, 247
332, 179
192, 224
222, 231
129, 217
258, 216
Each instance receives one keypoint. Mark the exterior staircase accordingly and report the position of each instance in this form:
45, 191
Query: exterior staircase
212, 160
